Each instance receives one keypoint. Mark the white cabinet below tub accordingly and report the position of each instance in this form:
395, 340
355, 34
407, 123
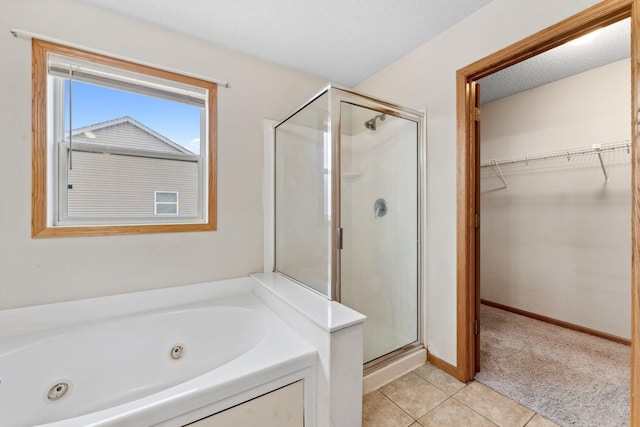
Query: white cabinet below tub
280, 408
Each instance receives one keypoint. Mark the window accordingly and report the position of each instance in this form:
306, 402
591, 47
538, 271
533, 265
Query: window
167, 203
119, 148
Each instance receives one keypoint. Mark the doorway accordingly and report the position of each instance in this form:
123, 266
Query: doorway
601, 15
555, 226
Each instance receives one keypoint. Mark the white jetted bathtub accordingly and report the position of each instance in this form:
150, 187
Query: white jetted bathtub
167, 357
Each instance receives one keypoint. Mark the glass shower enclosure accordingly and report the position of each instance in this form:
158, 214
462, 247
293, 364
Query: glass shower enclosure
348, 181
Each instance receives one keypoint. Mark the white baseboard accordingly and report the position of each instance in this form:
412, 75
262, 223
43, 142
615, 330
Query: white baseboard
393, 370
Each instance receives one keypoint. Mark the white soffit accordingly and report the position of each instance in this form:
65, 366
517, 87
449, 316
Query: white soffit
343, 41
612, 44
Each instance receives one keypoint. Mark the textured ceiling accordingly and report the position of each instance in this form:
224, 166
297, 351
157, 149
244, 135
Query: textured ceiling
612, 43
343, 41
347, 41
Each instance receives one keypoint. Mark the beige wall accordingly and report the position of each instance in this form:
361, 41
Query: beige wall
36, 271
426, 78
556, 242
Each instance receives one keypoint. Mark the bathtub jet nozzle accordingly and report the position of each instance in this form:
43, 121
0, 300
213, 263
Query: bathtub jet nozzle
177, 352
58, 391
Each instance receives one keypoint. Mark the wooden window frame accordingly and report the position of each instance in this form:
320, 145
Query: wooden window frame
40, 226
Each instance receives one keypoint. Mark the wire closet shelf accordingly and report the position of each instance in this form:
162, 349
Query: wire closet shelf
597, 149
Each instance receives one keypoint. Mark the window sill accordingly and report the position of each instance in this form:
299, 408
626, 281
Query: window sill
111, 230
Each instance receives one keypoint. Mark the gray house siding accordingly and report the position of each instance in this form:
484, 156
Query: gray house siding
109, 184
126, 185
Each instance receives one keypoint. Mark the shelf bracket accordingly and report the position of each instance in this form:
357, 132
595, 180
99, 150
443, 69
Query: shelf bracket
496, 168
597, 147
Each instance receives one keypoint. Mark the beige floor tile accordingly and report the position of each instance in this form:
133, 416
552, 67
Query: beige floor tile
378, 411
439, 378
540, 421
413, 394
494, 406
453, 414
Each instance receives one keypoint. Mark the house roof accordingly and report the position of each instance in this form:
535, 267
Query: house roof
126, 133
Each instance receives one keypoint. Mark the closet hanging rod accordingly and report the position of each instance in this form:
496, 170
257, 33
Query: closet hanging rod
568, 153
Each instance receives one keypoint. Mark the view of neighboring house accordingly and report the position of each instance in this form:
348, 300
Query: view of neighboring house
121, 168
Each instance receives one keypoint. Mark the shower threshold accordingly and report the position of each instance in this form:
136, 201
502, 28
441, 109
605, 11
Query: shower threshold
389, 358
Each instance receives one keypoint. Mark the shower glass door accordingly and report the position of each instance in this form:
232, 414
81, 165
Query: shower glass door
379, 218
303, 229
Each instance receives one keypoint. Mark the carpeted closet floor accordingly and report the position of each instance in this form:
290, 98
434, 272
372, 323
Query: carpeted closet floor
571, 378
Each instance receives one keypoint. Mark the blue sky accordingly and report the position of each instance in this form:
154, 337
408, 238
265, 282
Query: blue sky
94, 104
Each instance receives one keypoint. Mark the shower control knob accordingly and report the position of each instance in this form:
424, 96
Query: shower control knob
380, 208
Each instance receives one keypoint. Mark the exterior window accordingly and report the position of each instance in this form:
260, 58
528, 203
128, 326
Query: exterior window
107, 134
167, 203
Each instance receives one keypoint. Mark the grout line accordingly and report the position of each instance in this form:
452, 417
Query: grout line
515, 401
426, 381
433, 384
438, 405
467, 406
529, 420
465, 386
437, 386
503, 395
401, 408
473, 410
451, 394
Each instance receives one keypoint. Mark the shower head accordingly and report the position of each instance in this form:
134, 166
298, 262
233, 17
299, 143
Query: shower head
371, 123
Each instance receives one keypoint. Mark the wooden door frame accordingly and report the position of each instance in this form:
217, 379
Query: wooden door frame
598, 16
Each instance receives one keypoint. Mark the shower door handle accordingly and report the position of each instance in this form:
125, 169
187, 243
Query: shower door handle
339, 234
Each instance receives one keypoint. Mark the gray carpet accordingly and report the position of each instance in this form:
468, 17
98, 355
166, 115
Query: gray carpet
571, 378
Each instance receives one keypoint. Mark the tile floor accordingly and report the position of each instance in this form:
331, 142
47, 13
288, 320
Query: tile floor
428, 396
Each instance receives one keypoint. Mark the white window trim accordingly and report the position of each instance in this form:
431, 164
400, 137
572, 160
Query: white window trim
156, 203
56, 116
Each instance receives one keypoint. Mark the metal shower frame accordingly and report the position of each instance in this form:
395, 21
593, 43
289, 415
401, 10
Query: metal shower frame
336, 96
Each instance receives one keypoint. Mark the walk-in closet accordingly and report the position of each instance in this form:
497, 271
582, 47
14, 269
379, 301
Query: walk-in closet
555, 243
